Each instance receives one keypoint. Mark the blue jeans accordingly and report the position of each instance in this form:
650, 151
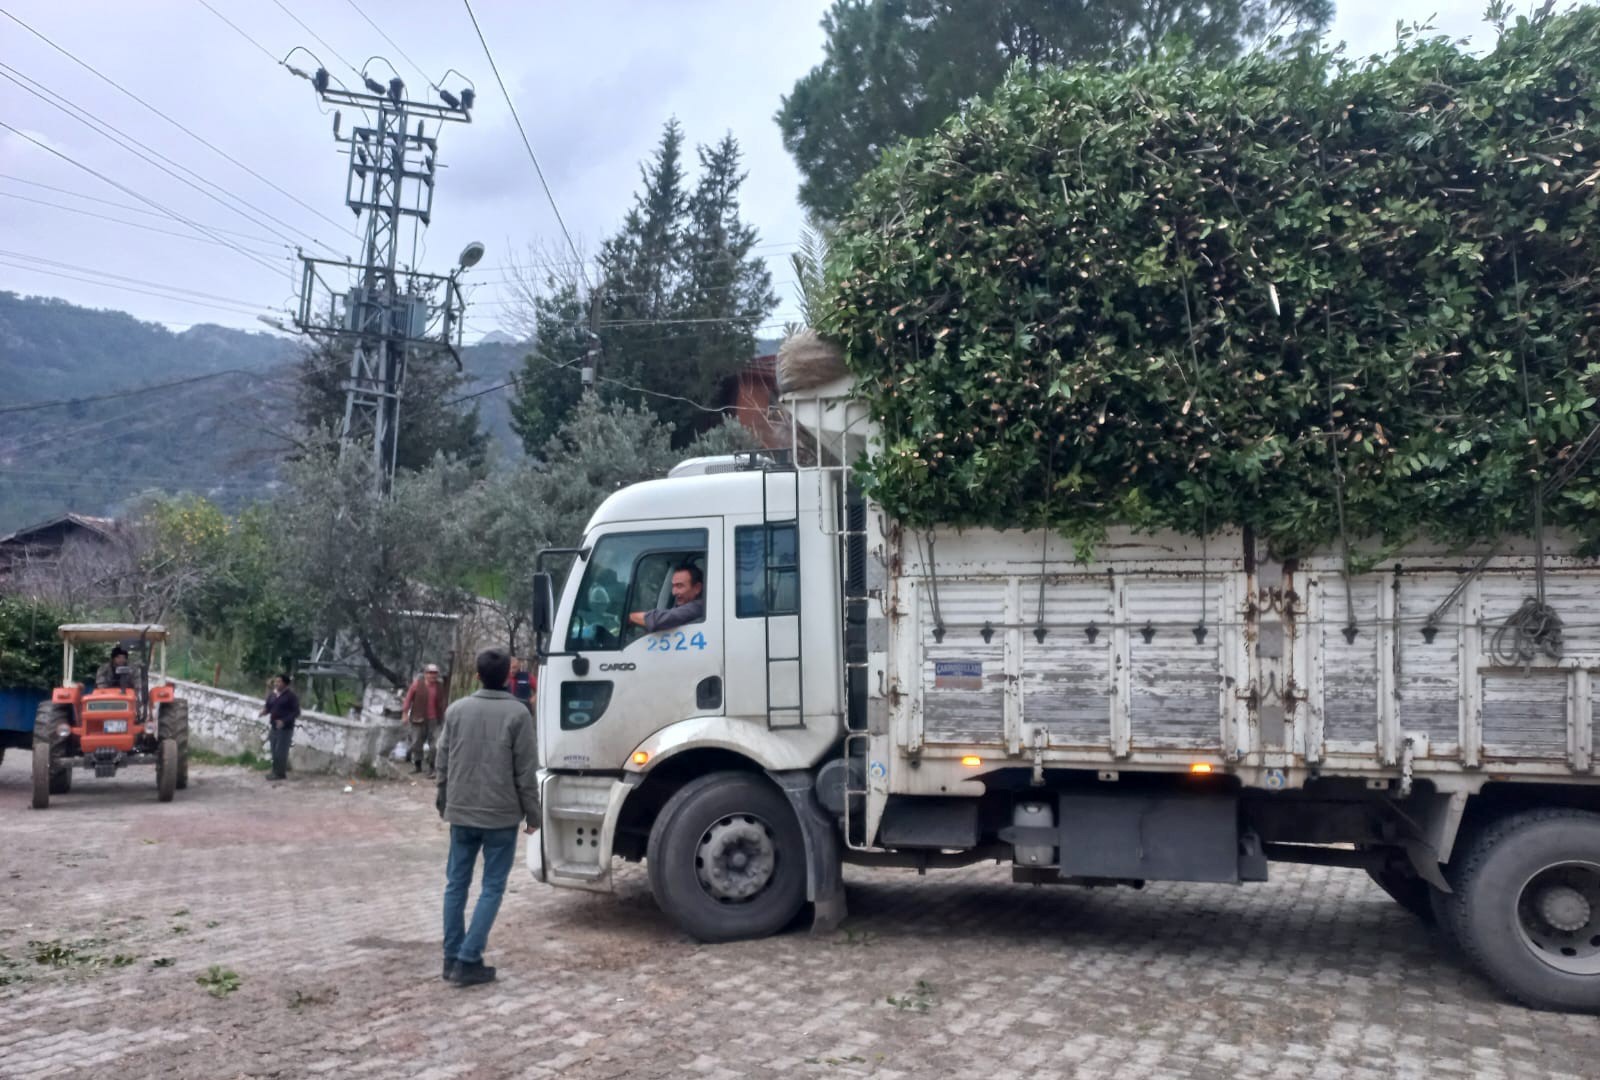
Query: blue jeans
499, 847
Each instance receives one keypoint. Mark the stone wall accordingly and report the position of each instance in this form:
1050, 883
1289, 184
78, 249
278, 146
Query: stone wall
227, 723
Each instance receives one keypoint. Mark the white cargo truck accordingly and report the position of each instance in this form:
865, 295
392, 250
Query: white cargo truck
1174, 708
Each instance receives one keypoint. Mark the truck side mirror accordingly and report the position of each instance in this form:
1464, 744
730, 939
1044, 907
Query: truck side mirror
544, 603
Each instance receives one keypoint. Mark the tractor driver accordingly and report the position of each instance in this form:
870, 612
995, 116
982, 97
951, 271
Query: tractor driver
114, 672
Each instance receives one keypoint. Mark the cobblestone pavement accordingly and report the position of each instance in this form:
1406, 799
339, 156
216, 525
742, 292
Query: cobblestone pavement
325, 905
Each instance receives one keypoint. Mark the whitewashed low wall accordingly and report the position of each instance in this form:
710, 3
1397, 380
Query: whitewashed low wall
227, 723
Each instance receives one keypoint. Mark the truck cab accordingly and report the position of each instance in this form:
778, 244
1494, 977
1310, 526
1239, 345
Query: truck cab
753, 687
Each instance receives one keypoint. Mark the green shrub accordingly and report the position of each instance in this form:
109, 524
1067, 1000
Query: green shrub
1192, 297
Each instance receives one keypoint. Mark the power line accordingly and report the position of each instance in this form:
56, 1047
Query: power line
133, 289
527, 145
414, 65
127, 142
316, 37
115, 220
193, 135
149, 388
129, 191
128, 207
24, 256
264, 51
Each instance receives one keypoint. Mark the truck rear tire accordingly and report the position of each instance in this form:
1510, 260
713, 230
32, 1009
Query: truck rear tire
41, 776
166, 769
173, 722
727, 859
1407, 890
1527, 907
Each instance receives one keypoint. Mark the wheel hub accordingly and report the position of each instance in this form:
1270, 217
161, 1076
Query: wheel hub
1558, 916
1565, 908
736, 858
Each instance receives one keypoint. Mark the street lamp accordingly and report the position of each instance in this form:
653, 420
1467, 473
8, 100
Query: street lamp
470, 255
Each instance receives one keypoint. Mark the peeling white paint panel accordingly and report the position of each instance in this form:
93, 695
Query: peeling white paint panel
1066, 679
963, 677
1176, 680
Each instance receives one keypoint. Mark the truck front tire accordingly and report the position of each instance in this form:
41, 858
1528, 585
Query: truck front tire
727, 859
1527, 907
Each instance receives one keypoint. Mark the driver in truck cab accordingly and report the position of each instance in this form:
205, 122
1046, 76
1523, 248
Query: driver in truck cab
688, 602
108, 676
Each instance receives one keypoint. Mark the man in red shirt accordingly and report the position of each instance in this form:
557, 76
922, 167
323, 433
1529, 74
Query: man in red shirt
423, 709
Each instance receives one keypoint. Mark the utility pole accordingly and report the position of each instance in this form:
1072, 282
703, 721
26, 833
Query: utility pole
386, 314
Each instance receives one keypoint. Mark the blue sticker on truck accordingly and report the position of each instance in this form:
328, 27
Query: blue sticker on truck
958, 674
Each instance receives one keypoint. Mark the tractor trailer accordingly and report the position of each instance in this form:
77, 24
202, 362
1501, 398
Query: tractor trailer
1161, 708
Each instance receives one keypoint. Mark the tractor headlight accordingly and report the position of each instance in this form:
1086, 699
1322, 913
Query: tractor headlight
64, 730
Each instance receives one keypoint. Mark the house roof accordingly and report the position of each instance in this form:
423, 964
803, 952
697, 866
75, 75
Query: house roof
100, 526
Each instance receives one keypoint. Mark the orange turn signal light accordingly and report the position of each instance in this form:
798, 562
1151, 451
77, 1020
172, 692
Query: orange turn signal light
1200, 767
972, 761
640, 757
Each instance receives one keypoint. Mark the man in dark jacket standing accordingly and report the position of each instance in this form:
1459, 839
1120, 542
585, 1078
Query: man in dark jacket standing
283, 707
488, 785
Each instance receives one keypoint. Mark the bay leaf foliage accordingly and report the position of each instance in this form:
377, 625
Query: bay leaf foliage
1190, 297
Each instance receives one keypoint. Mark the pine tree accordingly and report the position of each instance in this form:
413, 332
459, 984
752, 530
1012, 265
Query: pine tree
679, 299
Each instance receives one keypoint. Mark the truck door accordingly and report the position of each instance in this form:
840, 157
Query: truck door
635, 681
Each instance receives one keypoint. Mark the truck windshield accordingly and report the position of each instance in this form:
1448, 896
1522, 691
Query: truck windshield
628, 572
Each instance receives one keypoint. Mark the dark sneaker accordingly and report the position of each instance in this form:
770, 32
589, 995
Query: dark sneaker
473, 974
432, 775
449, 973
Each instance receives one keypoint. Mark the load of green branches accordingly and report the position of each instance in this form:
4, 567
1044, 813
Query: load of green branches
1294, 293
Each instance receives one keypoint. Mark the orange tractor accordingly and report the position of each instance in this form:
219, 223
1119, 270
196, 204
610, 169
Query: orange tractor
122, 720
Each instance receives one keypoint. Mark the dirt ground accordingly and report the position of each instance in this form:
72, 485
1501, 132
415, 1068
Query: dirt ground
257, 930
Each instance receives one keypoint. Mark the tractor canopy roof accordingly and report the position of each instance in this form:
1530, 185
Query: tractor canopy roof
82, 633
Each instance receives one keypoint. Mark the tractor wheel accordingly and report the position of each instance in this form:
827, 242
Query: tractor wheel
173, 723
41, 776
166, 769
60, 781
47, 722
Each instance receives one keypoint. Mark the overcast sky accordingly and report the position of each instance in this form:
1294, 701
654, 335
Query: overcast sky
593, 82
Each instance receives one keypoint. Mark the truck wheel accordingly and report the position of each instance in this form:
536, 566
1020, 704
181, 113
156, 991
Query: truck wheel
726, 858
41, 776
173, 723
166, 769
1406, 889
1527, 909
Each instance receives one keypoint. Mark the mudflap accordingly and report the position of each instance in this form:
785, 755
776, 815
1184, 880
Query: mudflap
824, 866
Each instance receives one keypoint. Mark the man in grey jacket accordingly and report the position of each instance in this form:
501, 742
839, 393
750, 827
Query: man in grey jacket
488, 785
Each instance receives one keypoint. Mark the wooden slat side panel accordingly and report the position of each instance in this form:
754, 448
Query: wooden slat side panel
963, 678
1429, 677
1177, 681
1066, 679
1350, 669
1525, 714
